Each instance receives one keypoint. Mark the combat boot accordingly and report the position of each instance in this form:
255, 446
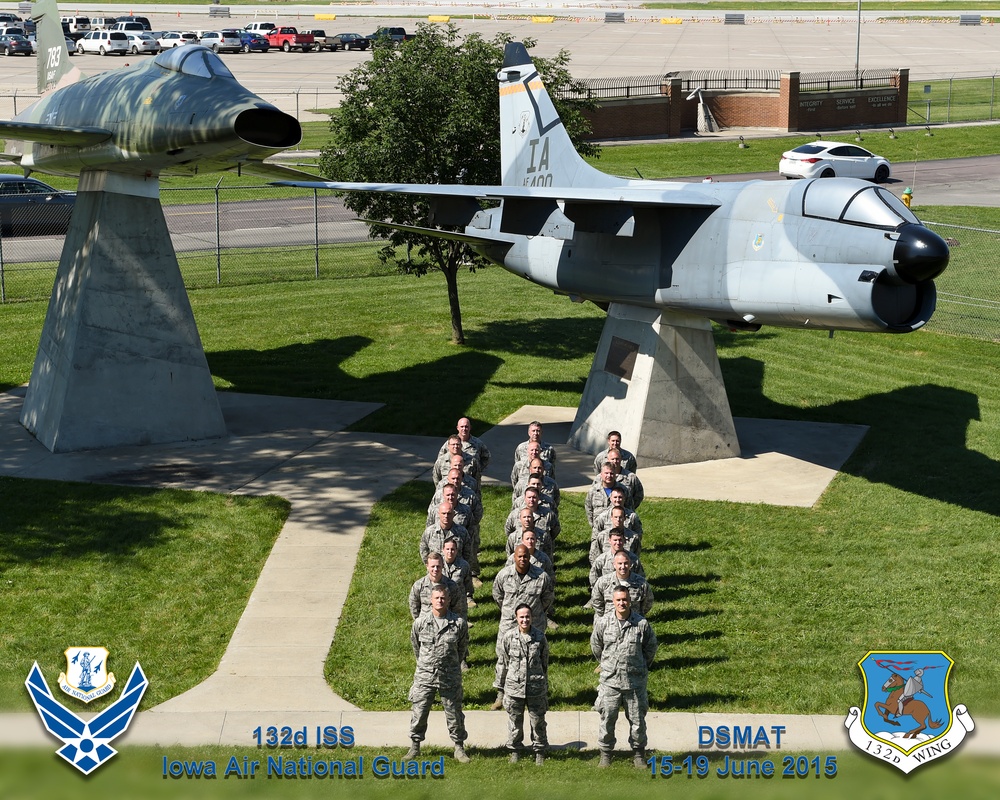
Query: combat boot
639, 759
539, 759
460, 755
414, 751
605, 759
514, 756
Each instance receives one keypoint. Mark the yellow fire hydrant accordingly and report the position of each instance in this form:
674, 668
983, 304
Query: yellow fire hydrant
907, 196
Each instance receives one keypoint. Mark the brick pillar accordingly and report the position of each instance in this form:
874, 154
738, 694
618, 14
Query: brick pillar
672, 89
789, 115
902, 83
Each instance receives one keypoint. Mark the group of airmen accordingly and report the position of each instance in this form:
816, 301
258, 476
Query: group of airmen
622, 641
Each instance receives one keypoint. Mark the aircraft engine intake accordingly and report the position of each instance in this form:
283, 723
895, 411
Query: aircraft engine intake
268, 127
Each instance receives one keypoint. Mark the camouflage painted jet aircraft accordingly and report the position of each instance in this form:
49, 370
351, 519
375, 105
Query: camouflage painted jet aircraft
178, 113
835, 253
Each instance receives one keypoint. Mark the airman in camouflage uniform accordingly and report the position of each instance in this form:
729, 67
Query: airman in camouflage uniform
420, 592
439, 640
625, 644
640, 593
521, 582
546, 451
522, 677
472, 445
615, 443
434, 536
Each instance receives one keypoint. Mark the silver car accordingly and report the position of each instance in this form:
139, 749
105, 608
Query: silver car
103, 42
222, 41
142, 42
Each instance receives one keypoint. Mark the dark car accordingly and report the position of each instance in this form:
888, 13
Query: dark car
348, 41
29, 207
14, 44
254, 42
144, 21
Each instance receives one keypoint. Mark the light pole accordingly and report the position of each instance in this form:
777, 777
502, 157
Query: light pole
857, 53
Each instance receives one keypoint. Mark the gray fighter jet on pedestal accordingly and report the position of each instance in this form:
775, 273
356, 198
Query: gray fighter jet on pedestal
665, 258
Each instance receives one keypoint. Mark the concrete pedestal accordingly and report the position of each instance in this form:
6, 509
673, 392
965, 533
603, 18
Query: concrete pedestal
120, 361
656, 378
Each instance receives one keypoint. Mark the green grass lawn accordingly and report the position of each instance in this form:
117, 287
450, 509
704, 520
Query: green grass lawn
138, 773
159, 577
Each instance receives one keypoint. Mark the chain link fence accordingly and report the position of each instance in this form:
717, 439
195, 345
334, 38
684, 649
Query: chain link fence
258, 234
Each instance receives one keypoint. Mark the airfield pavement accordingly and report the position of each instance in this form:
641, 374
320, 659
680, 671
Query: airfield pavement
297, 448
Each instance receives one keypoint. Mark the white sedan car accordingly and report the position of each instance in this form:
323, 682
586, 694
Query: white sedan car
142, 42
833, 160
175, 39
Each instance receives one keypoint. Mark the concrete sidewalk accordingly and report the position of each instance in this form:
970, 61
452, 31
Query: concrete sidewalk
272, 670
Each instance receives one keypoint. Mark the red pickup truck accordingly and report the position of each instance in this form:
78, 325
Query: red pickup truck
290, 39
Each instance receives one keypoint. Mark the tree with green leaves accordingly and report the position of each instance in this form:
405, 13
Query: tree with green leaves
427, 111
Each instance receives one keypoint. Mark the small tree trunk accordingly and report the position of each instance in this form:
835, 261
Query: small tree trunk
451, 276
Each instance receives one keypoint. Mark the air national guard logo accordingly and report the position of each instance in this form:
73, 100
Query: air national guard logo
86, 677
907, 719
86, 743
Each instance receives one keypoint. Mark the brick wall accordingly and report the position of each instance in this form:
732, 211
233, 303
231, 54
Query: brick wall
786, 110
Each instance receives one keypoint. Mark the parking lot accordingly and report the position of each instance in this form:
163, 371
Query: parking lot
641, 46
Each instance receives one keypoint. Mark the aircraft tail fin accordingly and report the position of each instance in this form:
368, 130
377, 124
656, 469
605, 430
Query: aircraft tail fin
54, 67
535, 149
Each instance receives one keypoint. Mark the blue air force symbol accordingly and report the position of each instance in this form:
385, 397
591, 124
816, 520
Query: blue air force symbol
907, 719
86, 677
86, 743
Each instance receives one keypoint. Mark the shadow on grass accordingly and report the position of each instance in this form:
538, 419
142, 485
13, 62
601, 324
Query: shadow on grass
917, 440
560, 338
83, 519
417, 399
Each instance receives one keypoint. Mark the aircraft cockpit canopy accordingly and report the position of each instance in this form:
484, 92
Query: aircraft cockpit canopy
193, 60
847, 200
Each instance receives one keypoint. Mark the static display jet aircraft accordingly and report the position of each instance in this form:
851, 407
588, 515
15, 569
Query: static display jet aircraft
180, 112
120, 360
836, 253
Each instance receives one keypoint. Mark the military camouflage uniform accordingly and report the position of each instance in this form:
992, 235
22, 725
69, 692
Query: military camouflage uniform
639, 591
420, 596
547, 453
549, 490
543, 542
599, 543
545, 520
433, 540
628, 460
599, 499
602, 521
474, 447
523, 677
460, 572
540, 559
439, 646
625, 650
605, 565
534, 588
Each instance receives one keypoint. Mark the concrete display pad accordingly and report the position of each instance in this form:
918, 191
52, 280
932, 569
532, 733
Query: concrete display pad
120, 360
656, 378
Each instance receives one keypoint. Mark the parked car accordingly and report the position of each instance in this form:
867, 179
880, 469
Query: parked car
227, 41
132, 18
259, 27
29, 207
176, 39
394, 35
348, 41
833, 159
77, 24
142, 42
103, 42
102, 23
320, 39
254, 42
70, 45
14, 44
128, 27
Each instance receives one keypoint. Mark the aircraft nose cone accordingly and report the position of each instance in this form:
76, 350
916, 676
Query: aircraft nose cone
919, 254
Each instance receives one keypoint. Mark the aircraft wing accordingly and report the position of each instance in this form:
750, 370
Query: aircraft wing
53, 134
453, 236
664, 193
